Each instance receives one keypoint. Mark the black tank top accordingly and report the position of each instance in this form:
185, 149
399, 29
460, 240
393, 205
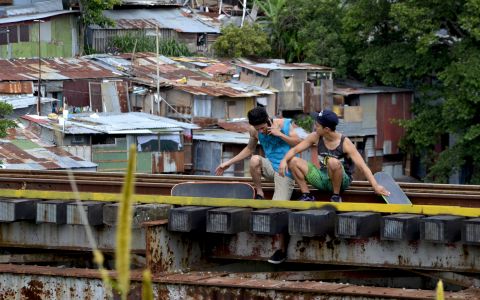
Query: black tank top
337, 153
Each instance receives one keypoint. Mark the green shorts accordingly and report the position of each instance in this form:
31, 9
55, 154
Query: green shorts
319, 178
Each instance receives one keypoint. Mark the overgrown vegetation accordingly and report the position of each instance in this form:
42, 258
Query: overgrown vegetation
305, 121
5, 110
142, 43
123, 240
92, 14
430, 46
249, 40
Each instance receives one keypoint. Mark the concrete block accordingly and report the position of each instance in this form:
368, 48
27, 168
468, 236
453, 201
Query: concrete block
93, 211
228, 220
316, 222
269, 221
441, 229
400, 227
357, 225
471, 231
52, 211
12, 210
140, 213
188, 218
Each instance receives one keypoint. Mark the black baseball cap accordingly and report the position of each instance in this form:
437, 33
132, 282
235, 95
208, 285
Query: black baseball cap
327, 118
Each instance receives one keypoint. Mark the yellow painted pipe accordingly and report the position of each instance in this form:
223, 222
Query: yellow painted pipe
259, 204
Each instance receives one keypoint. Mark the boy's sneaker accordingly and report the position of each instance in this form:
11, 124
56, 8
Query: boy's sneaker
336, 198
307, 197
278, 257
259, 197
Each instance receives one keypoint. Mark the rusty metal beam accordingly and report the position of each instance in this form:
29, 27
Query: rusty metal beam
192, 251
34, 282
64, 237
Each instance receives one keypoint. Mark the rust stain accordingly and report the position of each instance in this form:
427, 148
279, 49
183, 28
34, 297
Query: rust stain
16, 87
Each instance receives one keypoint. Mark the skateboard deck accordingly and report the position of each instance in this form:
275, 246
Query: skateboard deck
397, 196
238, 190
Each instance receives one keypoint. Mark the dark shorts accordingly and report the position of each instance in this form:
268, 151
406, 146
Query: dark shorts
319, 178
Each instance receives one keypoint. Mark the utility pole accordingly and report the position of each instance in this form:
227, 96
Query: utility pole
7, 32
39, 68
158, 70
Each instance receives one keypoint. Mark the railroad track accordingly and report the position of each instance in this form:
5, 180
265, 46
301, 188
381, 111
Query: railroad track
161, 184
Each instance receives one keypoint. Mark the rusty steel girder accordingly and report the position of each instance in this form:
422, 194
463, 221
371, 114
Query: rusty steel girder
34, 282
172, 251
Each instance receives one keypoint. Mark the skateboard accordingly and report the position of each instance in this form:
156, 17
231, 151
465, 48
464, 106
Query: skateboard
217, 189
397, 196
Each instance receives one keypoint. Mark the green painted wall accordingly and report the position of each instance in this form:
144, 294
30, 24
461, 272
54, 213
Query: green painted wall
144, 162
60, 45
111, 157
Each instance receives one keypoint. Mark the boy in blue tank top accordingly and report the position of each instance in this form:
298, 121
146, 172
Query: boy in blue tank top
276, 137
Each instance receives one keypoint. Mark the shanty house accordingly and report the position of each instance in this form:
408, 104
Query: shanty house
79, 82
211, 147
22, 150
105, 138
300, 86
20, 96
188, 93
175, 23
367, 116
38, 29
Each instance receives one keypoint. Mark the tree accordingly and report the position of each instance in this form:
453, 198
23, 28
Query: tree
272, 10
249, 40
431, 46
5, 110
92, 14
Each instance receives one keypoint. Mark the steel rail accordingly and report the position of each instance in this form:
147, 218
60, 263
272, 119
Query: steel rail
147, 184
113, 176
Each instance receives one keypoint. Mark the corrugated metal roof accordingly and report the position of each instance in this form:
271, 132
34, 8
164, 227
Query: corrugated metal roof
354, 129
220, 68
241, 126
232, 89
221, 136
31, 8
352, 87
174, 74
22, 150
176, 19
16, 87
152, 2
346, 91
53, 69
23, 101
113, 123
31, 17
265, 68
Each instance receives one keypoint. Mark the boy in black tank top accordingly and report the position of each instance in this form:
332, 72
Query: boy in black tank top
338, 157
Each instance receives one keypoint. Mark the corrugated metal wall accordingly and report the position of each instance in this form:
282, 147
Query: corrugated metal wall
206, 157
58, 36
111, 157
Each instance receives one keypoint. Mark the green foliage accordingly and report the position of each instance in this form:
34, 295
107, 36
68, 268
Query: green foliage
430, 46
305, 121
249, 40
142, 43
92, 12
5, 110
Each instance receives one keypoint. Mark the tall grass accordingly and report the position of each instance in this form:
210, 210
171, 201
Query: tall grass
123, 237
142, 43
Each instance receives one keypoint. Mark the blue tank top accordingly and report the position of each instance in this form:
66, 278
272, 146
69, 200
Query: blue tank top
274, 147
